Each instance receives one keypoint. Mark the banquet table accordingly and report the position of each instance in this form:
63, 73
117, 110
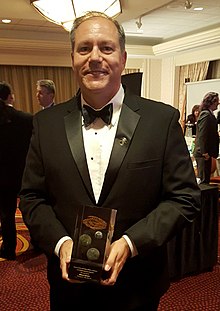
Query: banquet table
195, 249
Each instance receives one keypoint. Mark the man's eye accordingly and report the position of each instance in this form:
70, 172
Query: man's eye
107, 49
83, 50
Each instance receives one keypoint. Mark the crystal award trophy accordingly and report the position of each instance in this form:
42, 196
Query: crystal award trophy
92, 238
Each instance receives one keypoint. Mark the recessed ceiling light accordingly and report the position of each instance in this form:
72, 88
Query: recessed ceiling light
6, 21
198, 9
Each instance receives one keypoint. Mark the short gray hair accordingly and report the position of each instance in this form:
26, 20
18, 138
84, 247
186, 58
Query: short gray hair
48, 84
91, 14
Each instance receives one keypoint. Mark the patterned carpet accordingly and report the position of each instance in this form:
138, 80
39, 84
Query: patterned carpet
194, 293
22, 239
24, 286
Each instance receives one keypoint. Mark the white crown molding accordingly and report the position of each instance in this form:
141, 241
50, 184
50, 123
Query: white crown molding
139, 51
63, 46
187, 43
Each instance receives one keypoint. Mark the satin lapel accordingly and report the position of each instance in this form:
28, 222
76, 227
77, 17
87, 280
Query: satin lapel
73, 128
126, 127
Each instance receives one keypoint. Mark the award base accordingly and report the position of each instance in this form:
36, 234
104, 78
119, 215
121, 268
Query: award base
92, 238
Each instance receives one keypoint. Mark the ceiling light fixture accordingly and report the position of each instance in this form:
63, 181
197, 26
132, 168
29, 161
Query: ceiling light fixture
6, 21
188, 5
198, 9
63, 12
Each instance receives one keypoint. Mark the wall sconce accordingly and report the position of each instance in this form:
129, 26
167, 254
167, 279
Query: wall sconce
63, 12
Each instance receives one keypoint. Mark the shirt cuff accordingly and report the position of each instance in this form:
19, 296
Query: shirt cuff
131, 245
59, 243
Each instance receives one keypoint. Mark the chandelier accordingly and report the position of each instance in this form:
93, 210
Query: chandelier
63, 12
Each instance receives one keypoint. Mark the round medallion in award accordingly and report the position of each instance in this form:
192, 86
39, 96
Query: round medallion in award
85, 240
98, 235
93, 254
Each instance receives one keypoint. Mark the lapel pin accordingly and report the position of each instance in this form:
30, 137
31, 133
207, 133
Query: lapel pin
123, 141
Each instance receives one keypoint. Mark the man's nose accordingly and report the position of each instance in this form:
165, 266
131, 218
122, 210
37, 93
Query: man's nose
95, 54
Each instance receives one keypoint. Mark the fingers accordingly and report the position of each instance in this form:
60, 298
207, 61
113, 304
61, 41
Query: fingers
119, 252
65, 257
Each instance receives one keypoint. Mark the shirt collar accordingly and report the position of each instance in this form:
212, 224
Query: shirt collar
117, 101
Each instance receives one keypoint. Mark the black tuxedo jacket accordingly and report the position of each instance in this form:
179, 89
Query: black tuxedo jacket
15, 137
207, 138
149, 180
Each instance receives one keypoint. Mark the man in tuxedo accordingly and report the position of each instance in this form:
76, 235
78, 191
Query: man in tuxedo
207, 137
218, 117
46, 91
79, 157
15, 134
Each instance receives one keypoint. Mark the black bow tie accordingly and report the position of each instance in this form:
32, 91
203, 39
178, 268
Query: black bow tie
89, 114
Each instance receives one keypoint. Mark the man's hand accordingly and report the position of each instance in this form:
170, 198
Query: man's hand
65, 258
119, 252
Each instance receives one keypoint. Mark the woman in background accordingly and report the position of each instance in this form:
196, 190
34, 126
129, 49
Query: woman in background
193, 118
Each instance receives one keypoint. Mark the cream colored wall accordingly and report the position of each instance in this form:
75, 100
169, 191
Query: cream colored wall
205, 54
159, 63
151, 86
170, 69
142, 57
160, 73
204, 46
167, 80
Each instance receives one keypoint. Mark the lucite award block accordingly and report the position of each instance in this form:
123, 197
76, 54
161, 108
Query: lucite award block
92, 238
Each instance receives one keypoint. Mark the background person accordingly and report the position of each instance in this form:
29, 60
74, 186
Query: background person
218, 117
122, 162
15, 133
192, 118
207, 138
46, 91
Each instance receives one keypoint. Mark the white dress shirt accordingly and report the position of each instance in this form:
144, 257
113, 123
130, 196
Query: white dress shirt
98, 140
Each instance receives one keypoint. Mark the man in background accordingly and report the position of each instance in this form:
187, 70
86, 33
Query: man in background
207, 137
218, 117
15, 134
46, 91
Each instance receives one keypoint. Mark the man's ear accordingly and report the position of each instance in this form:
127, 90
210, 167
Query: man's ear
72, 57
124, 58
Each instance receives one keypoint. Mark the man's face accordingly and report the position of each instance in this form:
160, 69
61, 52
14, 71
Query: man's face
215, 104
44, 97
11, 99
97, 58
